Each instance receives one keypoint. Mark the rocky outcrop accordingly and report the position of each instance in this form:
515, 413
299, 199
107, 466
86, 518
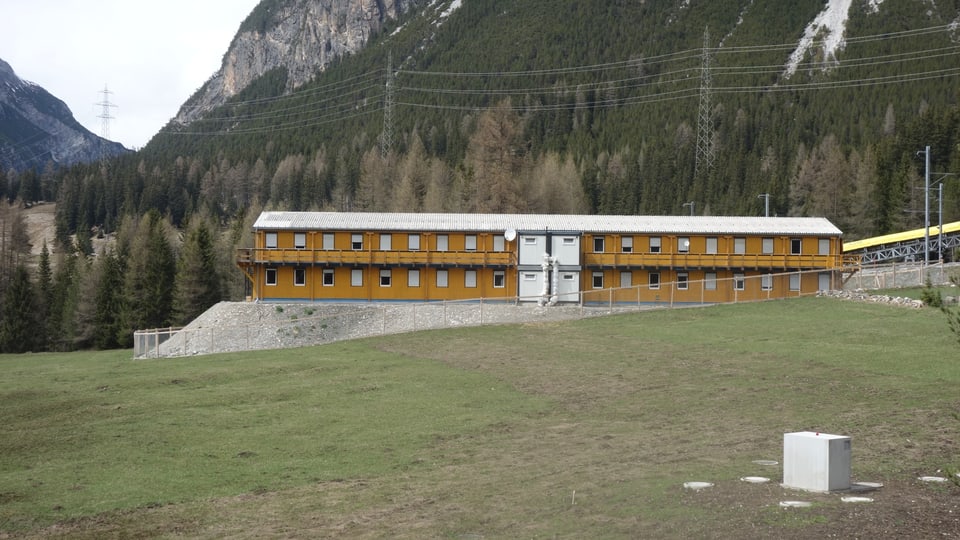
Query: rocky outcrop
302, 36
37, 128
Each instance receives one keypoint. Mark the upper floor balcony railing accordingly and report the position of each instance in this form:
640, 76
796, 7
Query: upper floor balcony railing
247, 256
711, 260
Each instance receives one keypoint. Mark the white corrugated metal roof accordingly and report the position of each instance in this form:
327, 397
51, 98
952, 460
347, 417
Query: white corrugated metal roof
399, 222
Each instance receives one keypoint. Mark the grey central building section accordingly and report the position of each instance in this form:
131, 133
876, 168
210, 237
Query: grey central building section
549, 266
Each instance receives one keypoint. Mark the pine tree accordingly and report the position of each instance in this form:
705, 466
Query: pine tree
198, 283
18, 326
44, 296
108, 308
149, 280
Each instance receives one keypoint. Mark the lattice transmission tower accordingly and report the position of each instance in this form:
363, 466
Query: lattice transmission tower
705, 150
105, 116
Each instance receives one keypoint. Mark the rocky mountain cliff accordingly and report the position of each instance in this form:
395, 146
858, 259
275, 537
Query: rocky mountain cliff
302, 36
37, 128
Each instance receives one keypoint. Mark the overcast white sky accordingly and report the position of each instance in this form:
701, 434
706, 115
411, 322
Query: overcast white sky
151, 54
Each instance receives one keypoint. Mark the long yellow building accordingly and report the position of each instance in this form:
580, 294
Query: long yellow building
351, 256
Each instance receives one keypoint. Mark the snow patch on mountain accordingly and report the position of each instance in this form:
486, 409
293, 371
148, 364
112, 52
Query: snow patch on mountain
831, 24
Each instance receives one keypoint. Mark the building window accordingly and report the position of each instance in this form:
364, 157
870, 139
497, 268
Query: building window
710, 281
569, 241
356, 277
413, 242
766, 282
712, 245
738, 282
529, 240
328, 277
740, 246
682, 281
271, 278
626, 280
470, 242
443, 242
568, 277
499, 243
598, 242
441, 278
653, 280
683, 244
794, 282
386, 242
271, 240
768, 246
796, 246
328, 241
300, 240
598, 280
386, 277
654, 244
823, 246
299, 277
356, 242
470, 279
413, 278
529, 276
626, 244
499, 279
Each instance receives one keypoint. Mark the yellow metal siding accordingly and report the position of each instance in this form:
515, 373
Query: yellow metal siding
456, 260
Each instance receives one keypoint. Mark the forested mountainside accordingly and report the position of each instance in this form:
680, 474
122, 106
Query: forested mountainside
600, 106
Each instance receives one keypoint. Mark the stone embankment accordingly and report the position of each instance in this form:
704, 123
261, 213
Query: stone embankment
860, 295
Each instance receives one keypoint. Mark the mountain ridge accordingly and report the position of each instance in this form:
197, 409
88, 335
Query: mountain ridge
36, 128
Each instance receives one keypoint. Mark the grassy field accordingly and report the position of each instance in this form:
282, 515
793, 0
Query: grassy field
560, 430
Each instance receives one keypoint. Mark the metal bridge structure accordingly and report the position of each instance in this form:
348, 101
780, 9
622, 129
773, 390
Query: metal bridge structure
906, 246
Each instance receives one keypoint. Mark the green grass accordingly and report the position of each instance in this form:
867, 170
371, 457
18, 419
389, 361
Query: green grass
484, 431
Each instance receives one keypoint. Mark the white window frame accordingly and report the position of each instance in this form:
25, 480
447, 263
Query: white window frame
683, 281
683, 244
740, 245
599, 244
626, 244
796, 246
270, 278
499, 243
356, 277
299, 240
413, 242
356, 242
710, 281
712, 244
766, 282
413, 277
794, 282
299, 277
593, 280
739, 282
270, 240
529, 276
332, 274
653, 281
386, 277
767, 246
443, 242
470, 242
499, 279
386, 242
626, 279
529, 240
656, 244
328, 241
823, 246
470, 279
443, 279
569, 241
